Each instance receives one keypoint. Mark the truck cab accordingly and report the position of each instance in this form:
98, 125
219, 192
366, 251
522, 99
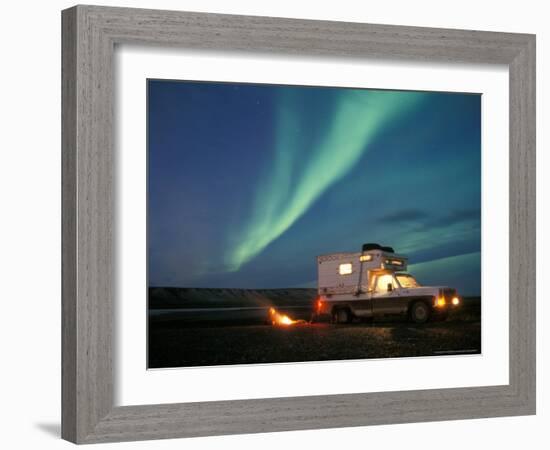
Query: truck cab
374, 283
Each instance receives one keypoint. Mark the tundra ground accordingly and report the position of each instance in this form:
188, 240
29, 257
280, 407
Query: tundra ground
179, 338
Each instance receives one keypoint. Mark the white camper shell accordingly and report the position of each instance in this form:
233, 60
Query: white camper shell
374, 283
351, 273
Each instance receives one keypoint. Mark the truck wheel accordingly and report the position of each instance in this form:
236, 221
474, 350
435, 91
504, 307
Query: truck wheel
420, 312
343, 316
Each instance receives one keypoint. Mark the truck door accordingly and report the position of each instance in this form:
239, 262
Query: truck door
386, 296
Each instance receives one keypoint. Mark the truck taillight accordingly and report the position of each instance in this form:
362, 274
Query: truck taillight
319, 304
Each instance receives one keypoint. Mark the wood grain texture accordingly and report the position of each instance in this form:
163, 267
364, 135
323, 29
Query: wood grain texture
89, 36
68, 225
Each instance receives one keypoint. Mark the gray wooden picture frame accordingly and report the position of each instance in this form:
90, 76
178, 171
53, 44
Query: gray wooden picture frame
89, 37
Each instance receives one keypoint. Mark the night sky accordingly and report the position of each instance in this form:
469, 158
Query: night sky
247, 183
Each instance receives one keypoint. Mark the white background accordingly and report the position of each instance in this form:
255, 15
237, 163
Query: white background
30, 223
135, 386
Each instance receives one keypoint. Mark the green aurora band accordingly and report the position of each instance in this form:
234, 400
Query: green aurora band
293, 185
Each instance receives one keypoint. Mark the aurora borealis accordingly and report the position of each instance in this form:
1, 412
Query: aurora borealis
288, 191
248, 183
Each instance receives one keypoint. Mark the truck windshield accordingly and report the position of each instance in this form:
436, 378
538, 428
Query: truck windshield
407, 281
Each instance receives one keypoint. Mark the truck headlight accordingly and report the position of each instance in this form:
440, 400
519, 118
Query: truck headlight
455, 301
440, 301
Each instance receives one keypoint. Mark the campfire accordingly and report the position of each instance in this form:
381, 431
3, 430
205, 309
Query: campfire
278, 318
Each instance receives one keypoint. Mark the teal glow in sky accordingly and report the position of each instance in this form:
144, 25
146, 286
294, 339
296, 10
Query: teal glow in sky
247, 183
292, 186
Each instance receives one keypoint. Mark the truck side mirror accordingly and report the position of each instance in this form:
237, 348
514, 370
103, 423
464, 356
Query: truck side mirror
390, 287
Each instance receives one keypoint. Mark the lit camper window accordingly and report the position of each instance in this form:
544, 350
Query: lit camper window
345, 269
364, 258
394, 262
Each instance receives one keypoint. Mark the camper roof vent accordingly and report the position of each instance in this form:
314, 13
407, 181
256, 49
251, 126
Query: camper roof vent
374, 246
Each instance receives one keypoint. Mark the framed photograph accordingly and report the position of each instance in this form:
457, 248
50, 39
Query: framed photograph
281, 244
278, 224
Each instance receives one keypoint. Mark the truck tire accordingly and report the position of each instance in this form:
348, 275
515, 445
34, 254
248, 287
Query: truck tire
420, 312
342, 315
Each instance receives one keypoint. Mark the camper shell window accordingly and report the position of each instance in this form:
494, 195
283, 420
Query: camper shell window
345, 269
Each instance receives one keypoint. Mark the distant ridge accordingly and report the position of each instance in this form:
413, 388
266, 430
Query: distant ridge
175, 298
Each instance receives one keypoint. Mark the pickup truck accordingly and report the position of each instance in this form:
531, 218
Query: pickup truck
374, 283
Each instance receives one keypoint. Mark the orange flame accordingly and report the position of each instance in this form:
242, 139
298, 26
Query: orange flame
282, 319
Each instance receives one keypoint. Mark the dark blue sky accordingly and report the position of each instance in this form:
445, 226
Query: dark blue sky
249, 183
